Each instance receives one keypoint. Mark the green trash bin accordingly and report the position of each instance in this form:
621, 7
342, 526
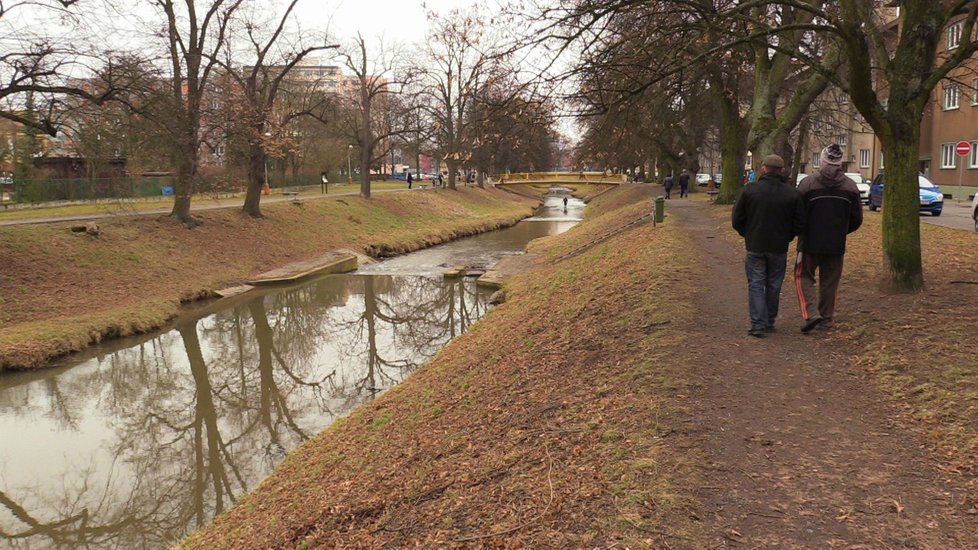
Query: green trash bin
659, 211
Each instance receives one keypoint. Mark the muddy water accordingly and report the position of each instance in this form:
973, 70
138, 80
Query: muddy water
134, 444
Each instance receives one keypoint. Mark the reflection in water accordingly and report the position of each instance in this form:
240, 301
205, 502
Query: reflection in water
138, 446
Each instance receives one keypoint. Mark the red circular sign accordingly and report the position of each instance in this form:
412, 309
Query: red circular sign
963, 148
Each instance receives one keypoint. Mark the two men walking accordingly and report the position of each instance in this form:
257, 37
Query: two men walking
821, 212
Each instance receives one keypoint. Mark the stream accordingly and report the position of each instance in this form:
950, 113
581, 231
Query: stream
138, 442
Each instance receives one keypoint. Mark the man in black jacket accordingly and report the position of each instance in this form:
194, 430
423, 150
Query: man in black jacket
768, 214
833, 210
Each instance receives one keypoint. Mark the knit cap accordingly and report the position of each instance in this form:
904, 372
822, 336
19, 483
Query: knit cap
832, 155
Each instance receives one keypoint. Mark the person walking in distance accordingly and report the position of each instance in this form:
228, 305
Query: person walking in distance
768, 214
832, 211
667, 184
409, 179
684, 184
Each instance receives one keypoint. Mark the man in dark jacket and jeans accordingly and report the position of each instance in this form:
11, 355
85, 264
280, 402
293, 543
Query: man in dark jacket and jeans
768, 214
832, 210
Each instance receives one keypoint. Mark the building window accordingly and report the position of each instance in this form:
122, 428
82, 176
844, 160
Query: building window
947, 155
973, 157
881, 160
864, 158
843, 98
954, 35
974, 89
816, 161
842, 141
952, 95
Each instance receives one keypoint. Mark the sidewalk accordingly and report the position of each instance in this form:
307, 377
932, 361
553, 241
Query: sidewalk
201, 204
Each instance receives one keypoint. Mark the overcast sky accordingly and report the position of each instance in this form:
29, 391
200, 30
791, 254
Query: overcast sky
401, 19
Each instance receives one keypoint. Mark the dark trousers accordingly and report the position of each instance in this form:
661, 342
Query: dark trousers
765, 274
822, 302
683, 190
668, 191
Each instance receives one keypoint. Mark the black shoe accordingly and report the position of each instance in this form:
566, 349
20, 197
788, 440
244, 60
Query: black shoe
756, 332
811, 324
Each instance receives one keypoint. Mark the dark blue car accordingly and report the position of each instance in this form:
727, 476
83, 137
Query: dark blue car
931, 198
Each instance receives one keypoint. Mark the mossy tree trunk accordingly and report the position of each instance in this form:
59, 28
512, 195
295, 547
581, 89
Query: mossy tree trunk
733, 147
906, 71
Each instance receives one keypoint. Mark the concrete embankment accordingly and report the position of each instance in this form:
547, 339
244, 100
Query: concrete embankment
63, 291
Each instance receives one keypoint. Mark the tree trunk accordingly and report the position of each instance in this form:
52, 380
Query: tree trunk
733, 152
256, 177
452, 171
901, 215
799, 147
184, 184
364, 173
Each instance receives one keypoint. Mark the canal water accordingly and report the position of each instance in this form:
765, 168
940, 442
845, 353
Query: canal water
138, 442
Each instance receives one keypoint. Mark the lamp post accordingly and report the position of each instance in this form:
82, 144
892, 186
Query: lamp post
265, 157
349, 169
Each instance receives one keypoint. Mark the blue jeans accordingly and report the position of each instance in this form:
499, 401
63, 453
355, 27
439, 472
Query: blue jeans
765, 273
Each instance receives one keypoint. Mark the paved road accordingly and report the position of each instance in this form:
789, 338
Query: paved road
196, 206
956, 215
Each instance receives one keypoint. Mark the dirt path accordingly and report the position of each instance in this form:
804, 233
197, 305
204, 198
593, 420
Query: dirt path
800, 449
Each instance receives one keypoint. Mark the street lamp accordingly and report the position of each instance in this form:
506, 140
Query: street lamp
349, 169
265, 150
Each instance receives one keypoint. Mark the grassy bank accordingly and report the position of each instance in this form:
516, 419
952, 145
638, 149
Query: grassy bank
62, 291
537, 428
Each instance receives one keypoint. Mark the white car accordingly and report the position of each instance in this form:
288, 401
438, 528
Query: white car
702, 179
861, 185
974, 211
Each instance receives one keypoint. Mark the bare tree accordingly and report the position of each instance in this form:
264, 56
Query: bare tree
377, 117
34, 69
196, 32
273, 62
458, 64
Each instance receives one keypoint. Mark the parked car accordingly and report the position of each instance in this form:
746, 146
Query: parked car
702, 179
974, 211
861, 184
931, 198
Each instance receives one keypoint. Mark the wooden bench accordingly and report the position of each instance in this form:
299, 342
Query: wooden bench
712, 194
290, 193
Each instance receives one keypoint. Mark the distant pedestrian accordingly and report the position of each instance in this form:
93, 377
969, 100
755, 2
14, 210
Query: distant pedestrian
684, 184
833, 209
565, 204
409, 180
440, 181
668, 185
768, 214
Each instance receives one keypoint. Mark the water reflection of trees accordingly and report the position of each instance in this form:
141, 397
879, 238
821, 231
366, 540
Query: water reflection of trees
200, 414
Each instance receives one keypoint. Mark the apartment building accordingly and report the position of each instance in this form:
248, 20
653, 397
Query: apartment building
950, 116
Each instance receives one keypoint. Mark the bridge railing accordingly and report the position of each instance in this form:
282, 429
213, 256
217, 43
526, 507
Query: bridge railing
514, 177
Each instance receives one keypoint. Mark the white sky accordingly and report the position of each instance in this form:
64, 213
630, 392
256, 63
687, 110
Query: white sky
393, 20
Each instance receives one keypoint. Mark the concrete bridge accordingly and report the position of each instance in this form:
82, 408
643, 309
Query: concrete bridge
557, 178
